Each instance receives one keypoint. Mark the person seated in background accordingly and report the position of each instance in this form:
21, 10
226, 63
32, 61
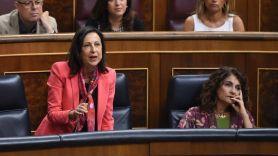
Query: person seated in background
81, 90
27, 18
114, 16
213, 15
223, 103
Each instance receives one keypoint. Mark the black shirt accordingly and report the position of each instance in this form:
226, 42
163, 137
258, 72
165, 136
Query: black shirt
138, 25
24, 30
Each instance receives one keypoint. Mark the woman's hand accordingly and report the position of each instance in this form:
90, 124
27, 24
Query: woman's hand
81, 109
239, 107
238, 104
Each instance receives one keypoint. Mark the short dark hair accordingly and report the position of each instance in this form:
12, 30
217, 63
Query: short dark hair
209, 92
74, 56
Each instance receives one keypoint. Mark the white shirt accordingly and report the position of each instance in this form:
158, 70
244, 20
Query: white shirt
200, 26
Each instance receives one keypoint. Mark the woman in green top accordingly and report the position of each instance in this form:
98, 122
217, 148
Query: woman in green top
223, 103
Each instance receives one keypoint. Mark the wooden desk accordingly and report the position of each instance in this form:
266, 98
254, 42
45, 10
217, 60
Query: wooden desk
151, 142
159, 149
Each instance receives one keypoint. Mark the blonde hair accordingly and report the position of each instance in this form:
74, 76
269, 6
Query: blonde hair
201, 8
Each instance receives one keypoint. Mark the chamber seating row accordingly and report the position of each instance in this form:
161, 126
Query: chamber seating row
177, 11
14, 113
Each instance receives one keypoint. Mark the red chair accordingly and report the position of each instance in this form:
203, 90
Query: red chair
83, 11
138, 7
6, 6
177, 12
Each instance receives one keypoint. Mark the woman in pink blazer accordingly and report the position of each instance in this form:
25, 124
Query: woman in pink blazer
81, 90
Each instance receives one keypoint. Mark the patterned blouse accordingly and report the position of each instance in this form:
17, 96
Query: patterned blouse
194, 118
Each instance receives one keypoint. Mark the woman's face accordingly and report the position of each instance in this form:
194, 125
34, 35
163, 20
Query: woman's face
117, 8
229, 88
91, 50
214, 5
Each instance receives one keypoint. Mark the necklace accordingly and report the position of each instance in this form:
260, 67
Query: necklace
90, 76
120, 29
221, 115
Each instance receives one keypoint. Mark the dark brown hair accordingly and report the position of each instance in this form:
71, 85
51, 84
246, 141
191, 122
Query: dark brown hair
74, 56
100, 13
209, 92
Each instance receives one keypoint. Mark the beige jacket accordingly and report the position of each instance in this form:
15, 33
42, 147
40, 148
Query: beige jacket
9, 24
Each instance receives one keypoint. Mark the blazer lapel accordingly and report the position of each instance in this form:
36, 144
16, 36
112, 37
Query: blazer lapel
75, 90
103, 91
14, 29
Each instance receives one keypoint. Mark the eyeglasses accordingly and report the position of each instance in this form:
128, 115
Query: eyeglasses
30, 3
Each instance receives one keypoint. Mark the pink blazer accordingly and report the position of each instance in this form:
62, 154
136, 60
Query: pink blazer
63, 96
